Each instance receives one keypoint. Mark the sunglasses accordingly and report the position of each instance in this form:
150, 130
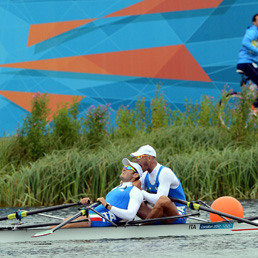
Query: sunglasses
141, 156
130, 168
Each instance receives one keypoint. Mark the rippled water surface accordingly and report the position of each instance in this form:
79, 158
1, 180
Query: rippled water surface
229, 246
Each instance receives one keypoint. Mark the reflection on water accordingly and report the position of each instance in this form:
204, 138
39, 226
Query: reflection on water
229, 246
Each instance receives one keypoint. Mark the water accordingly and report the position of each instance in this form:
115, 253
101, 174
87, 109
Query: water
229, 246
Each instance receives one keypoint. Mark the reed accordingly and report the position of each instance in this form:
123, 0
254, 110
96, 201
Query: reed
81, 157
206, 161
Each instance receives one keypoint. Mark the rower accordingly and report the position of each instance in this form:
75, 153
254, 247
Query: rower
158, 184
111, 206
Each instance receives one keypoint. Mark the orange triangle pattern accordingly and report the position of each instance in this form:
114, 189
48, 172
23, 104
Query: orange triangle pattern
170, 62
161, 6
23, 100
44, 31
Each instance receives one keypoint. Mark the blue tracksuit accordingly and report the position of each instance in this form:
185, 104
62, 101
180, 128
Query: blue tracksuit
249, 52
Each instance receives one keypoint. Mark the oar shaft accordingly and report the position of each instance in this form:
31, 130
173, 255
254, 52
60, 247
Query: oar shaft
197, 206
15, 227
136, 222
22, 214
57, 207
82, 212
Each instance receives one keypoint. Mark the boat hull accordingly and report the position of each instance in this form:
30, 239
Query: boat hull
127, 232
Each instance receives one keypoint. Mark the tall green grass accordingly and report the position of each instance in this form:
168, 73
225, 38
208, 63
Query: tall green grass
206, 161
81, 157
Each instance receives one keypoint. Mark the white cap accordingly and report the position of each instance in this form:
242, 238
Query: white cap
134, 165
146, 149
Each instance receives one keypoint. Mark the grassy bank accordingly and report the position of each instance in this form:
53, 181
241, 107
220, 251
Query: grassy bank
206, 160
46, 164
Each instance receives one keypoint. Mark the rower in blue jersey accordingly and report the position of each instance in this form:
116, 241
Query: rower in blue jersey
158, 183
121, 203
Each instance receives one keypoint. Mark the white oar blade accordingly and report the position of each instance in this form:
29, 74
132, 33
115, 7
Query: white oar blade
44, 233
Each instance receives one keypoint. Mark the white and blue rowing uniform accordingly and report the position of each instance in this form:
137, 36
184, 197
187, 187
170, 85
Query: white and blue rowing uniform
171, 181
125, 201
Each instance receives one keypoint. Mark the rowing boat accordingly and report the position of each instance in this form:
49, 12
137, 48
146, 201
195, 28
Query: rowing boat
125, 230
16, 234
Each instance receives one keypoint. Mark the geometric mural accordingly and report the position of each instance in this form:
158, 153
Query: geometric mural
24, 99
113, 51
171, 62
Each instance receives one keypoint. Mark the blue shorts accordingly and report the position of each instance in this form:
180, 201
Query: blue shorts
98, 221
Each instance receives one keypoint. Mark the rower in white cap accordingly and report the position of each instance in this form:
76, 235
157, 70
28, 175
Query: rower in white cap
158, 183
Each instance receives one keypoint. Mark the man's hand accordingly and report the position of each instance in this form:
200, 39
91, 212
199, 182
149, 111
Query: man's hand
102, 200
104, 203
85, 201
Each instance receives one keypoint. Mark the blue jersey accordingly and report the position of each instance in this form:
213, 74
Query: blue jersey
118, 197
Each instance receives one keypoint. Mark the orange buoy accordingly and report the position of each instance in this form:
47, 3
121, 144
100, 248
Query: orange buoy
227, 205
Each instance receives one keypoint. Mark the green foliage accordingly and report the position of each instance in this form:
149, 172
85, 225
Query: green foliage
96, 124
81, 157
160, 110
129, 120
31, 137
141, 115
126, 122
66, 126
205, 113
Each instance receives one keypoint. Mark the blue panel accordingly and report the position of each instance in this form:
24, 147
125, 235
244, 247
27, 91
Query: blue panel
226, 22
186, 23
212, 36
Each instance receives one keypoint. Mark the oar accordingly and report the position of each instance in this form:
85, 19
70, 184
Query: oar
196, 206
140, 221
21, 214
15, 227
82, 212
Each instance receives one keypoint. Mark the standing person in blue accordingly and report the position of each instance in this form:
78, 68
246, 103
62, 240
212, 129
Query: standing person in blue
248, 54
121, 203
158, 183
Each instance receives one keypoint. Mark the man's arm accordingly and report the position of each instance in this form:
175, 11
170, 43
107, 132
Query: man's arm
166, 179
135, 201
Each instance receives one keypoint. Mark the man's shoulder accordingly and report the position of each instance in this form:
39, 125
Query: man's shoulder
137, 192
166, 169
136, 189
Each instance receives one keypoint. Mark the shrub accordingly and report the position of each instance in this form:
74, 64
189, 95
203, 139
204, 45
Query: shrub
95, 125
66, 126
31, 137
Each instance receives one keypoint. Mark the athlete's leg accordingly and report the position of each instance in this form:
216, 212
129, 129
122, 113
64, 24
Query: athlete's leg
164, 207
143, 211
84, 224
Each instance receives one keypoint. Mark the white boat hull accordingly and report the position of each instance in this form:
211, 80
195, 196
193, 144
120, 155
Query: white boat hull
122, 232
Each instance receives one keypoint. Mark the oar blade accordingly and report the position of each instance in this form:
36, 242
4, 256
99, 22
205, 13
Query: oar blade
44, 233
